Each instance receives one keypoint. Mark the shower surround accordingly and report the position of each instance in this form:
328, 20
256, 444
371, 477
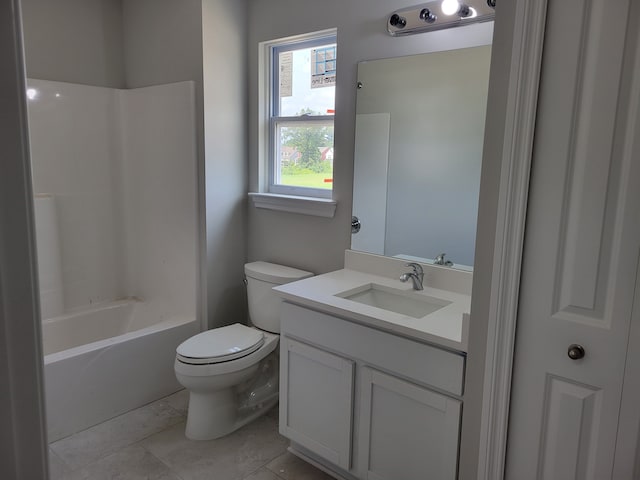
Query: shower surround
114, 176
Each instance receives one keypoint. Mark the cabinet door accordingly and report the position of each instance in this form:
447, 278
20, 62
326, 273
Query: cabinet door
406, 431
316, 400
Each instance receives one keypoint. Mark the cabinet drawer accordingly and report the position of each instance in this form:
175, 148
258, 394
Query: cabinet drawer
416, 361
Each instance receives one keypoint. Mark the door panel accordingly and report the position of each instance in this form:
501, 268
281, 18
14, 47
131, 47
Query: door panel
570, 429
581, 247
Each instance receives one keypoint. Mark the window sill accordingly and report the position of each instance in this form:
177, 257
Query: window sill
319, 207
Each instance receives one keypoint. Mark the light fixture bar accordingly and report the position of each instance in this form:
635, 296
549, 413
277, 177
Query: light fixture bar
438, 15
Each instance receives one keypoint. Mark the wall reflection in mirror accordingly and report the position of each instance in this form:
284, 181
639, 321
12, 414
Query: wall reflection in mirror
418, 153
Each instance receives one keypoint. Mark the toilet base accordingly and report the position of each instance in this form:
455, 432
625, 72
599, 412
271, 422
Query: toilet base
215, 412
210, 415
215, 415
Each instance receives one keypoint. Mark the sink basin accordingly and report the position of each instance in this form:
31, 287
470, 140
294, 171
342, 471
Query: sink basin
404, 302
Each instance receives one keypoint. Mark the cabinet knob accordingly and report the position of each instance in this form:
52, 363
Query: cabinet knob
575, 352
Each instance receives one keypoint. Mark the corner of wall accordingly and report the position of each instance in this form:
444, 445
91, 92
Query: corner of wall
225, 159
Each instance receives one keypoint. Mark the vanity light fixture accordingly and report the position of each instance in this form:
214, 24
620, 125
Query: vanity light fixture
397, 21
465, 11
427, 16
438, 15
454, 7
449, 7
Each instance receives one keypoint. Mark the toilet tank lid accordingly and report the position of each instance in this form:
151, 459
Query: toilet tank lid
273, 273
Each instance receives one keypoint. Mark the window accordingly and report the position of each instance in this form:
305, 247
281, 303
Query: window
301, 112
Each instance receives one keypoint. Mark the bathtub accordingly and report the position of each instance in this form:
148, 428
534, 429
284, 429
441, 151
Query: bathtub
106, 360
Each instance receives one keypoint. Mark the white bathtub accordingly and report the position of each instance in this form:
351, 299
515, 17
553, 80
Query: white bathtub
103, 361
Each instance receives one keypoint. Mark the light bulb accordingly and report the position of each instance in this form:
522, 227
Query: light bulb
32, 93
450, 7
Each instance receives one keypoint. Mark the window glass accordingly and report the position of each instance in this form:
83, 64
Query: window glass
307, 81
302, 112
305, 155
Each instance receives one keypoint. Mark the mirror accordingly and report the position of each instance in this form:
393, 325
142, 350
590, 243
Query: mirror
418, 153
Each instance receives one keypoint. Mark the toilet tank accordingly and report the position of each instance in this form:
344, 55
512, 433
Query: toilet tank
264, 304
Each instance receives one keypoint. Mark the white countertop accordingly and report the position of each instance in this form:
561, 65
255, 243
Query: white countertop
447, 326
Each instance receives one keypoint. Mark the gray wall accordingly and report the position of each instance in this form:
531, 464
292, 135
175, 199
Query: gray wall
77, 41
315, 243
485, 286
225, 121
163, 44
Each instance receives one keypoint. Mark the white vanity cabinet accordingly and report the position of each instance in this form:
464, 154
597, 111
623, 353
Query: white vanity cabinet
368, 404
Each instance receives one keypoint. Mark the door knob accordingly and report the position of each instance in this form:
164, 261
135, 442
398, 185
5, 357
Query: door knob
575, 352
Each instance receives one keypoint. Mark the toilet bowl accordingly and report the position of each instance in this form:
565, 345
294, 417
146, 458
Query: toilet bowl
231, 372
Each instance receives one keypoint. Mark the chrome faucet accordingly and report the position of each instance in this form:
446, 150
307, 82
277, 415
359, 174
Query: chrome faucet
417, 275
439, 260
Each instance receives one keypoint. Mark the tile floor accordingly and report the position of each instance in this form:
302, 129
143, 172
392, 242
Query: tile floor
149, 443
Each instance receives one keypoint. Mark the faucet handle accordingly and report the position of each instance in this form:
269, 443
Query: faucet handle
417, 268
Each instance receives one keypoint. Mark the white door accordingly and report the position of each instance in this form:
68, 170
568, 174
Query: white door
581, 247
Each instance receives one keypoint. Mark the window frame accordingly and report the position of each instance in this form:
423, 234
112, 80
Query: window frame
275, 121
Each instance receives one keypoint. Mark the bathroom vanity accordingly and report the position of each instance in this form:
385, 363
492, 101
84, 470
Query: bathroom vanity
369, 389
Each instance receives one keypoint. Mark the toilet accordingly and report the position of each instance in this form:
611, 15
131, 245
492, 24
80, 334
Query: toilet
232, 372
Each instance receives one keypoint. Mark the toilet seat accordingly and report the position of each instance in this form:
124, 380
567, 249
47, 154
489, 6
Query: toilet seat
220, 345
270, 344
